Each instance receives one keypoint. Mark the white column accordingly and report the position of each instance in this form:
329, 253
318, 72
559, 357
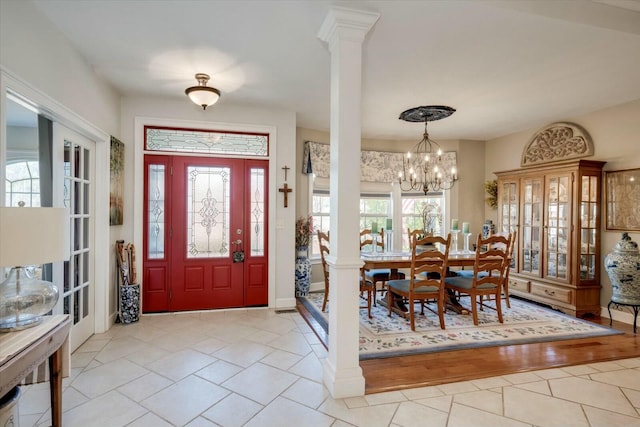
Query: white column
344, 30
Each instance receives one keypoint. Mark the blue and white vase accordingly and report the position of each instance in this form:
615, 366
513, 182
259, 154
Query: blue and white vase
303, 271
623, 267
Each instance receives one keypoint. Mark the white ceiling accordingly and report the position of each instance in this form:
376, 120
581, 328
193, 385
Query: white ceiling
505, 66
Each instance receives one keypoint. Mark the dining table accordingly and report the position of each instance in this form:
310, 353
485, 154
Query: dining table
395, 261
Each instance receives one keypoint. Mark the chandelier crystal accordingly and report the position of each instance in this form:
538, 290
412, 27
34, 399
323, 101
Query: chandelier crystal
425, 167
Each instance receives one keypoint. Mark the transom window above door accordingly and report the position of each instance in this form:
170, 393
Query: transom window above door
206, 141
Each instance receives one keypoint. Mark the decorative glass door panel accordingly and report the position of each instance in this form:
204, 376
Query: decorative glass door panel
531, 225
558, 226
208, 210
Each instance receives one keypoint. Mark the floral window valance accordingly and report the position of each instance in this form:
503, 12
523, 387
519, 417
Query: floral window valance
375, 166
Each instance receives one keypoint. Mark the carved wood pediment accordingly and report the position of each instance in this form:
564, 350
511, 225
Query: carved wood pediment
557, 142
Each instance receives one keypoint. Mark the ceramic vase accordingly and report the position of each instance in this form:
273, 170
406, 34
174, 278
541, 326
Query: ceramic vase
303, 271
623, 267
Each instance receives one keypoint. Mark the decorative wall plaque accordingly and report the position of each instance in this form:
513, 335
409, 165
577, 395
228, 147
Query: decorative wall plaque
557, 142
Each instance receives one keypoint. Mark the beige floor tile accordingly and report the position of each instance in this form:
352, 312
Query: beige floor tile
628, 378
541, 387
526, 406
260, 382
118, 348
29, 420
34, 399
81, 360
149, 420
185, 400
218, 371
93, 344
488, 383
579, 370
209, 345
460, 387
601, 418
521, 378
147, 354
548, 374
145, 386
293, 342
370, 416
606, 366
422, 392
411, 414
484, 400
243, 353
465, 416
232, 411
633, 396
633, 362
309, 367
109, 410
388, 397
355, 402
107, 377
71, 398
181, 364
281, 359
307, 392
586, 392
201, 422
284, 412
441, 403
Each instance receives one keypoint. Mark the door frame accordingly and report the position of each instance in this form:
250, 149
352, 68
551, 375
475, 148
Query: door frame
56, 112
138, 181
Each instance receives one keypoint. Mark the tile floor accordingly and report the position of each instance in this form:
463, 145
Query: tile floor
261, 368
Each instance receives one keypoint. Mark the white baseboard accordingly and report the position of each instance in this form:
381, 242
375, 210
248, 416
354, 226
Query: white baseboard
285, 303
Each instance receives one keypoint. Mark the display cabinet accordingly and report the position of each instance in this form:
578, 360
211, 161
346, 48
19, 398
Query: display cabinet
556, 210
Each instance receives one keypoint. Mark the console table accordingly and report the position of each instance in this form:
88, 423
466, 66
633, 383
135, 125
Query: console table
21, 352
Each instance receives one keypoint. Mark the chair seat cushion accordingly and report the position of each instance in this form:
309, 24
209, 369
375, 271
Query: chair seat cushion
403, 286
466, 283
469, 273
381, 274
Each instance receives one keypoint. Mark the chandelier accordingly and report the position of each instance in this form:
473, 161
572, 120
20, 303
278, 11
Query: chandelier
426, 167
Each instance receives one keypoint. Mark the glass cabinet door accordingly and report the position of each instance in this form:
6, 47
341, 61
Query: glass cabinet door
531, 228
588, 227
557, 236
508, 221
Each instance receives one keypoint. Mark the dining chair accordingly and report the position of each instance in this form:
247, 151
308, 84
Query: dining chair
366, 286
427, 278
505, 280
490, 264
379, 275
323, 242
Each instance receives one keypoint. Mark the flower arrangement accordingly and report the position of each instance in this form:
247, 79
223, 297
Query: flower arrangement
304, 230
491, 188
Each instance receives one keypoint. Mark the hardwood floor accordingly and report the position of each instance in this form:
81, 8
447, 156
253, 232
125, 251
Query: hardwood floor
397, 373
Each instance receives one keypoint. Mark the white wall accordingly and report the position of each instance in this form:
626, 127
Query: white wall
615, 137
282, 220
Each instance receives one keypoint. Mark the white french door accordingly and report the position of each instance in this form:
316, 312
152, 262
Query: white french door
74, 180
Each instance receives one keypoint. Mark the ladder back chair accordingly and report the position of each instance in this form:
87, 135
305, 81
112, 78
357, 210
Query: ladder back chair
490, 264
427, 279
366, 286
378, 275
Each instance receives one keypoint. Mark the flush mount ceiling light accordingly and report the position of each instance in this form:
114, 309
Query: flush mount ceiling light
202, 94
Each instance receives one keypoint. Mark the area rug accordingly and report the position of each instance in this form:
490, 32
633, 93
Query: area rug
524, 323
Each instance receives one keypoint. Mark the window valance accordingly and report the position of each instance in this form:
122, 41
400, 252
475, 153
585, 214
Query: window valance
375, 166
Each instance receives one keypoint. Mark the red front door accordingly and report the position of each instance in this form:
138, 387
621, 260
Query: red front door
215, 229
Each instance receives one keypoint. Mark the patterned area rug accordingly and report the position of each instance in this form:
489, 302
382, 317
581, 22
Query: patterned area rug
524, 322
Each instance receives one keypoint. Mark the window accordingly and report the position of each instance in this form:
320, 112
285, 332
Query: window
23, 183
422, 211
320, 213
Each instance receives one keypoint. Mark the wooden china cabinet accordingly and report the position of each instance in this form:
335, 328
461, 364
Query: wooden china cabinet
556, 210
